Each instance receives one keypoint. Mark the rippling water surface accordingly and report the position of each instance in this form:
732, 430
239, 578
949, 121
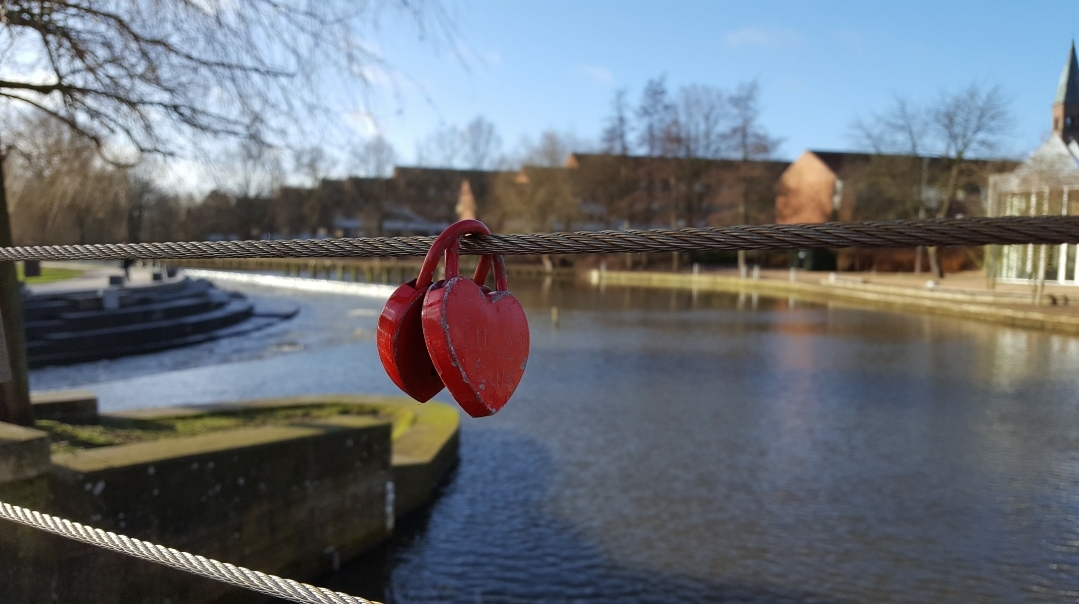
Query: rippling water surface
671, 447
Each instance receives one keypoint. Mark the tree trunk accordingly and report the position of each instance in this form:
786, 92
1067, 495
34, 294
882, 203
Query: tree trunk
15, 393
945, 205
742, 220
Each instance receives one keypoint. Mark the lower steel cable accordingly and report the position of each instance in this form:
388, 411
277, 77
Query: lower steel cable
212, 569
875, 234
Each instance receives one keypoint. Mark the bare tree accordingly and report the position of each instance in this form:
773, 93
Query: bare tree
60, 189
476, 146
899, 136
615, 136
956, 128
442, 148
746, 137
375, 158
542, 195
969, 123
153, 213
655, 115
135, 77
313, 163
747, 140
482, 146
902, 129
551, 149
250, 170
700, 115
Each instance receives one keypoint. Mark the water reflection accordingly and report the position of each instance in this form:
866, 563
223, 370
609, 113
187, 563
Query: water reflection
679, 446
488, 543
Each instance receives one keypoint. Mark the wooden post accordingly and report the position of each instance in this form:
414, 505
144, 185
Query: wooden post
15, 391
1039, 288
1030, 246
1062, 259
992, 253
5, 363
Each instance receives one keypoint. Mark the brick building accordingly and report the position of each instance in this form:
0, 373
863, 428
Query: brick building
413, 201
618, 191
822, 186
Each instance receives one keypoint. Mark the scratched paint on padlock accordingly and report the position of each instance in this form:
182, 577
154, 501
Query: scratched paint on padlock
5, 360
478, 341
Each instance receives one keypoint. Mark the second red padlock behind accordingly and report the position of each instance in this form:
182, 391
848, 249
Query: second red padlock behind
401, 345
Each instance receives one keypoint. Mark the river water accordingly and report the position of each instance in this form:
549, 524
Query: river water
671, 447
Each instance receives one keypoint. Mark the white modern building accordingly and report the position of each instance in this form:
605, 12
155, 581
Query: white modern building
1046, 184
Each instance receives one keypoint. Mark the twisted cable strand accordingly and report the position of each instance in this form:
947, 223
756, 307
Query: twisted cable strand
872, 234
212, 569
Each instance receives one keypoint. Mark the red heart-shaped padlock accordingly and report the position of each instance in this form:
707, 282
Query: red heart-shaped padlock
477, 339
401, 346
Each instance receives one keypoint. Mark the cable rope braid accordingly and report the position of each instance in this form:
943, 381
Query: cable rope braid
897, 233
211, 569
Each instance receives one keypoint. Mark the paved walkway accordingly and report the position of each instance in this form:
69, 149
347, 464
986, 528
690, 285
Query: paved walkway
966, 286
962, 295
95, 276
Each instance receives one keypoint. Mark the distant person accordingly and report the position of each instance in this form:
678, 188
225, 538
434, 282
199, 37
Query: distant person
126, 264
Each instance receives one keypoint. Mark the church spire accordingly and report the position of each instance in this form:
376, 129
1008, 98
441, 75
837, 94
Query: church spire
1068, 89
1066, 103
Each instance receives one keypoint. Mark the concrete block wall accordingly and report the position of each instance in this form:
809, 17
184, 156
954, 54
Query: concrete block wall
292, 500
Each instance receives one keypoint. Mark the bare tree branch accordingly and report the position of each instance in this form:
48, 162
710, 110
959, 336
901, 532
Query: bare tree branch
138, 77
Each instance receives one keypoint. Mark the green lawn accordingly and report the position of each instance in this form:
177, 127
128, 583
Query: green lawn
66, 438
48, 274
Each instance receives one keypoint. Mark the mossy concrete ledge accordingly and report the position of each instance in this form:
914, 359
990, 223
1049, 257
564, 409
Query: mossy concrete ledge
24, 453
68, 406
294, 499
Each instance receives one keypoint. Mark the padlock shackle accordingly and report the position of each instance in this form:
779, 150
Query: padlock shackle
452, 259
502, 282
448, 243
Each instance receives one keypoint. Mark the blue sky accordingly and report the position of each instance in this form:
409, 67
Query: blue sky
532, 65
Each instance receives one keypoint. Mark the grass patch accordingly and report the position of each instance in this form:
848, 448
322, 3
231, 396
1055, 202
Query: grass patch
67, 438
48, 274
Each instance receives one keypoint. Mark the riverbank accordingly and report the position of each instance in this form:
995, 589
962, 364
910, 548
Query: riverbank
292, 486
961, 295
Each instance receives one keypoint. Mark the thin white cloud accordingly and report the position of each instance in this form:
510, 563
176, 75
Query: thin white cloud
598, 74
772, 37
363, 122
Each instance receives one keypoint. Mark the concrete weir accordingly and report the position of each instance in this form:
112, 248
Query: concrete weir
294, 498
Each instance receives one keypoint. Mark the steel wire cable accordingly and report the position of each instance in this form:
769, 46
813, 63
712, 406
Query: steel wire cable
872, 234
212, 569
